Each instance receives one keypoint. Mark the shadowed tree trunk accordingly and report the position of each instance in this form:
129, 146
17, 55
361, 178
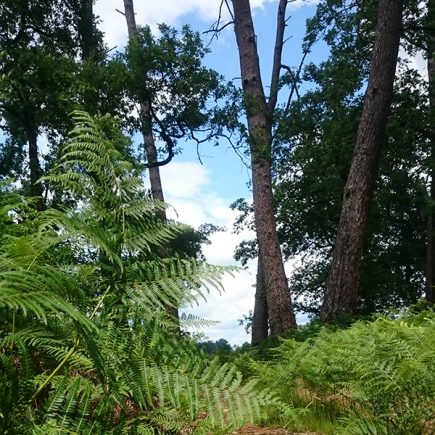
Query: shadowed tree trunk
91, 51
260, 323
35, 169
259, 114
430, 258
86, 31
341, 295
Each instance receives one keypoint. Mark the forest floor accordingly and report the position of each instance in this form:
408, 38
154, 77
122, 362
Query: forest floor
255, 430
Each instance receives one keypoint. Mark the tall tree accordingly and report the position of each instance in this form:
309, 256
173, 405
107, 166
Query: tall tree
146, 118
173, 92
52, 61
312, 167
341, 295
259, 116
177, 96
89, 38
35, 46
430, 262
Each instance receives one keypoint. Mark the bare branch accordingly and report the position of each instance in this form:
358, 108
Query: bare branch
215, 31
218, 25
229, 10
198, 143
294, 79
295, 76
287, 39
277, 55
228, 138
110, 49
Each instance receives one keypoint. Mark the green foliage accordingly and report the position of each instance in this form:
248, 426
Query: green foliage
314, 139
312, 158
374, 377
220, 348
52, 61
87, 345
184, 97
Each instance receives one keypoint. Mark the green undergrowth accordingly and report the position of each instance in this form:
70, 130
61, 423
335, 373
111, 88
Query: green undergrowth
87, 342
373, 377
88, 345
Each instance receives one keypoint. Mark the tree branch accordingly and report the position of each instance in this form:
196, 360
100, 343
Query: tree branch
217, 26
422, 46
170, 145
277, 55
294, 79
294, 89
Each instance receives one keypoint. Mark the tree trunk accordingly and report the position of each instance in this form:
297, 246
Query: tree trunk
260, 323
280, 308
35, 170
430, 252
146, 120
145, 116
151, 153
89, 47
260, 320
86, 31
341, 295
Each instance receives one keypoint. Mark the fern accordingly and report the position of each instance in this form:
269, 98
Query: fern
86, 344
373, 378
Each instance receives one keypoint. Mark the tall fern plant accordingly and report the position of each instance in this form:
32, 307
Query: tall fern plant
86, 344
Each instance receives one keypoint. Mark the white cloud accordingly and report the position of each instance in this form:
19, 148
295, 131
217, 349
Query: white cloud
151, 13
186, 211
200, 206
206, 206
186, 179
295, 4
165, 11
420, 64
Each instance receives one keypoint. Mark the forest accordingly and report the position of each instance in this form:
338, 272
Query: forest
95, 274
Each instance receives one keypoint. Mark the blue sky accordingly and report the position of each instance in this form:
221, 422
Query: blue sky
202, 193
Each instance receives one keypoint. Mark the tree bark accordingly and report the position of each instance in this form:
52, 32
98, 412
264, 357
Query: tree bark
86, 31
151, 153
145, 116
280, 307
430, 252
341, 295
260, 321
36, 189
89, 47
146, 120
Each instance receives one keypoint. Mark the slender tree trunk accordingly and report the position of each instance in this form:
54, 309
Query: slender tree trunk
145, 116
146, 119
89, 47
151, 153
35, 170
260, 322
279, 304
86, 30
341, 294
131, 19
430, 252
